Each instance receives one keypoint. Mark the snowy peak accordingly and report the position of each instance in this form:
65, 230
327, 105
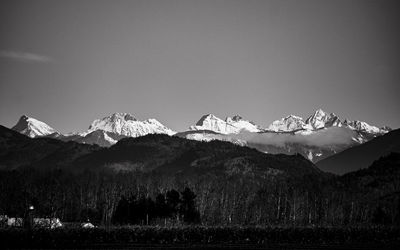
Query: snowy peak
321, 119
320, 113
108, 130
213, 123
113, 120
208, 119
289, 123
127, 125
235, 118
364, 127
33, 128
242, 124
104, 132
99, 137
122, 116
231, 125
386, 128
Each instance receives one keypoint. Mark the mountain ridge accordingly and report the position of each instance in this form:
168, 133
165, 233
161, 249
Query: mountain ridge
126, 124
292, 134
363, 155
32, 127
159, 153
231, 125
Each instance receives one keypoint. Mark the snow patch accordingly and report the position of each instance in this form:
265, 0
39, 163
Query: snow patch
33, 128
126, 125
231, 125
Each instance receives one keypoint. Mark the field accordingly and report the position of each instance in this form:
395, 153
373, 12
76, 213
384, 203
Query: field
196, 237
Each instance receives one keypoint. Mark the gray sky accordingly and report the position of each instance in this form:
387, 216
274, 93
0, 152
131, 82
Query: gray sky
69, 62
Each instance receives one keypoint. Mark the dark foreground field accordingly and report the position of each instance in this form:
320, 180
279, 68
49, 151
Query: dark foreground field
202, 237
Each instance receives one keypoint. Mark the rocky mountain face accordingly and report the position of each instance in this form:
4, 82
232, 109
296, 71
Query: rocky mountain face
103, 132
231, 125
292, 123
33, 128
321, 135
125, 124
288, 124
320, 120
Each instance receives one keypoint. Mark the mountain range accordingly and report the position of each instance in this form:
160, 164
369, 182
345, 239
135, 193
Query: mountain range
319, 136
240, 173
230, 182
103, 132
152, 153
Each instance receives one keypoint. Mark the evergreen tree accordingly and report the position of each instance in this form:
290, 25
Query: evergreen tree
188, 207
173, 202
380, 217
161, 208
121, 214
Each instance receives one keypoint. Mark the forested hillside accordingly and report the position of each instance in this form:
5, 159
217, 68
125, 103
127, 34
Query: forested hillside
158, 179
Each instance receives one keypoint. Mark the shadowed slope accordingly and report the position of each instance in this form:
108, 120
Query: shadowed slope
170, 155
17, 150
363, 155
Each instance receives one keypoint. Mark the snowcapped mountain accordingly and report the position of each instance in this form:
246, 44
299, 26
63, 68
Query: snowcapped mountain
126, 125
33, 128
231, 125
365, 127
242, 124
321, 119
213, 123
104, 132
304, 136
110, 129
99, 137
321, 135
289, 123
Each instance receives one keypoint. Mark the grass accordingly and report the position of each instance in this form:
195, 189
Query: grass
76, 237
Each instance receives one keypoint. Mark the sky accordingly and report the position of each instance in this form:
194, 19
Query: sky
69, 62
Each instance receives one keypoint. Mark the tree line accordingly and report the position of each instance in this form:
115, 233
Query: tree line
169, 206
106, 198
